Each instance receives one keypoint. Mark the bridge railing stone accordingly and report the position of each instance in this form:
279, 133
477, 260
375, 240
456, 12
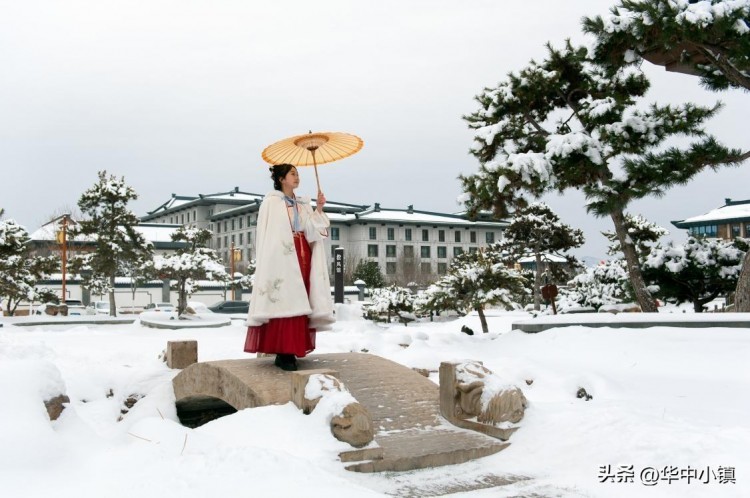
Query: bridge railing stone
462, 385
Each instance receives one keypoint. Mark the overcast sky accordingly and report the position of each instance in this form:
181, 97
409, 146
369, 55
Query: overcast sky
181, 96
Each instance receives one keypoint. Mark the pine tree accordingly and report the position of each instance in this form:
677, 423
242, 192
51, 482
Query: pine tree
606, 283
475, 280
709, 39
568, 122
698, 271
19, 272
191, 263
536, 230
369, 272
111, 225
390, 301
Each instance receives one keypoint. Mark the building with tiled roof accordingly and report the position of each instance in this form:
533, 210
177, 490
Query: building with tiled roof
407, 243
725, 222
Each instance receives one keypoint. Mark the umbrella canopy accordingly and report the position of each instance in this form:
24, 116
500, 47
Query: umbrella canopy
312, 149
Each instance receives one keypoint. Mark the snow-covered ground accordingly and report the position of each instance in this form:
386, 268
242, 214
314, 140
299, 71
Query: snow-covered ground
672, 403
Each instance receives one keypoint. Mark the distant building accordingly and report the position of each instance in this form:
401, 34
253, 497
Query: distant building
44, 241
726, 222
406, 243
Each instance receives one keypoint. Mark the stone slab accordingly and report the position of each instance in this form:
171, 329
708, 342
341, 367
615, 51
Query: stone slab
633, 321
182, 354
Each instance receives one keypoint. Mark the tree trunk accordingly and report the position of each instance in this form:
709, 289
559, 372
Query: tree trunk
537, 279
181, 297
482, 318
742, 293
642, 295
112, 304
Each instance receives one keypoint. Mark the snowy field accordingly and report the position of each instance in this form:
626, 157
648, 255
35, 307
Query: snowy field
670, 408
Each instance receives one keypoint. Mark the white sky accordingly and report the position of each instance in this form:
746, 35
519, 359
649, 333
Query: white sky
182, 96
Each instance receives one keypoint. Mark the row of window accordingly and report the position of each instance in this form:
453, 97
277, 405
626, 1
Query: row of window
231, 239
230, 225
424, 268
425, 235
735, 230
180, 219
425, 252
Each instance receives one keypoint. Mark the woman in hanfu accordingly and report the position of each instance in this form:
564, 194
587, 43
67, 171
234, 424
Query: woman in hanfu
291, 297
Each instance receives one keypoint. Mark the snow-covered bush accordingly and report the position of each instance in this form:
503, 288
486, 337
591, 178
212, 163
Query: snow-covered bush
606, 283
390, 301
697, 271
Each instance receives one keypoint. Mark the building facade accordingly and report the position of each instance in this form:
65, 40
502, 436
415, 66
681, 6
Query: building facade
408, 244
728, 222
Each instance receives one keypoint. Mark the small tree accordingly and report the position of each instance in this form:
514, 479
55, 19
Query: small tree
709, 39
390, 301
369, 272
569, 122
698, 271
191, 263
19, 272
535, 230
642, 232
474, 281
111, 225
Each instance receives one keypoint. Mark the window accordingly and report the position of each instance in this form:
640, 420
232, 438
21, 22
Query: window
441, 235
372, 251
489, 237
457, 251
425, 268
424, 251
391, 234
226, 241
232, 224
442, 268
704, 230
408, 251
457, 236
182, 219
241, 242
373, 233
473, 237
218, 227
249, 236
335, 233
225, 225
425, 235
747, 230
240, 222
218, 242
407, 234
249, 221
390, 268
171, 220
195, 215
442, 252
736, 230
232, 239
473, 250
390, 251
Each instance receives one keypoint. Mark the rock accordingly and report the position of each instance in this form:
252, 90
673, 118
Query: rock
466, 330
353, 426
582, 394
181, 354
56, 405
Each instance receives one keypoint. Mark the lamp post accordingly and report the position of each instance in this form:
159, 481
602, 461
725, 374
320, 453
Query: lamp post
62, 239
234, 256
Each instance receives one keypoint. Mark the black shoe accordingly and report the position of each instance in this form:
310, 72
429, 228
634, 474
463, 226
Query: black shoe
286, 362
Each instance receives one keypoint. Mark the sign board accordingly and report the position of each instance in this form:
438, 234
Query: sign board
338, 275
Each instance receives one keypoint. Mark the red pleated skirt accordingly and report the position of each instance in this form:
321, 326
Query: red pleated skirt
288, 335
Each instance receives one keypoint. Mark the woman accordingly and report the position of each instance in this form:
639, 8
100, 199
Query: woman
291, 297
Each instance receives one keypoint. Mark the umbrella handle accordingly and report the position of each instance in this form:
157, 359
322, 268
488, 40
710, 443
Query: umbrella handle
315, 165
